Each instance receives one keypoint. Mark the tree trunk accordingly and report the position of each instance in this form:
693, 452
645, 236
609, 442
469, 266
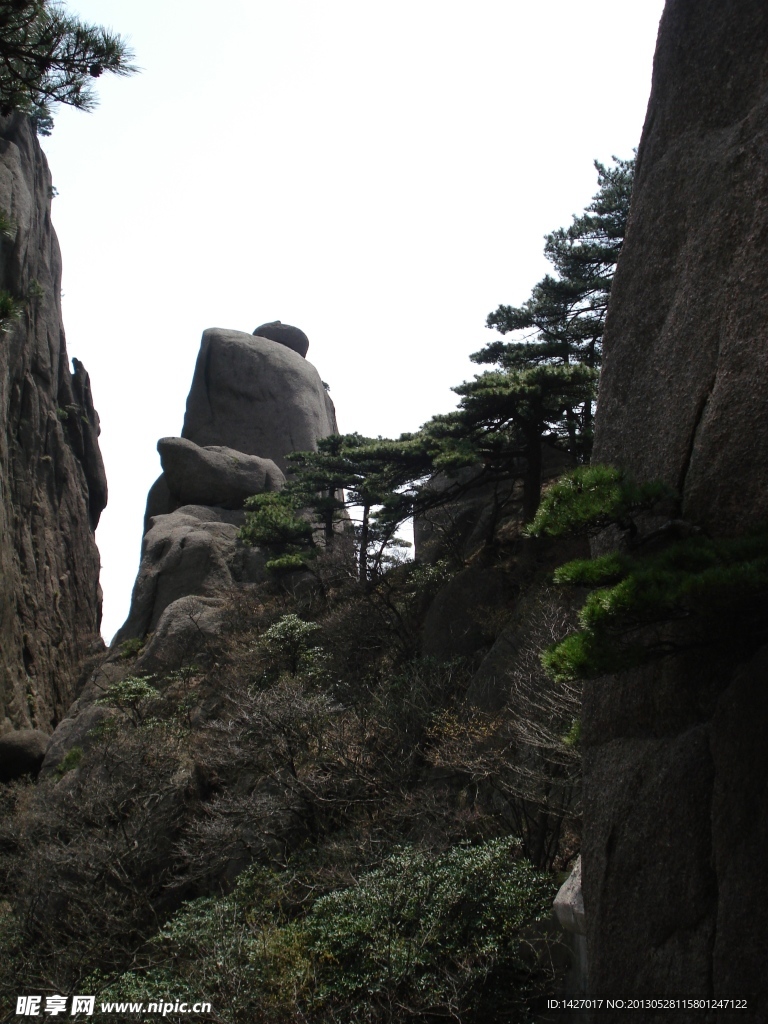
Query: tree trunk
532, 480
363, 556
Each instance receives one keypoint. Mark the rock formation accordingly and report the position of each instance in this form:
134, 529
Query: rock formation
193, 550
675, 756
21, 753
214, 475
256, 396
284, 334
252, 402
52, 482
569, 910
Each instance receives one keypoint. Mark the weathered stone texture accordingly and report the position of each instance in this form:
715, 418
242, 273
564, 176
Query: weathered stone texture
192, 551
22, 753
675, 762
252, 402
459, 621
256, 396
52, 483
214, 475
685, 378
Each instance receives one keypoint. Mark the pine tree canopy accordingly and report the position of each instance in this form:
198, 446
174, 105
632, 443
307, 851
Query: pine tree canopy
568, 311
48, 56
560, 327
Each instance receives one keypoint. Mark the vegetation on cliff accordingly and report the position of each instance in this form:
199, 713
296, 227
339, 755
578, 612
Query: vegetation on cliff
387, 821
666, 587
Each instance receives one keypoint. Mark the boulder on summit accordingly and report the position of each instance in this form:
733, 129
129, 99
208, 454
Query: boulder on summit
256, 397
286, 335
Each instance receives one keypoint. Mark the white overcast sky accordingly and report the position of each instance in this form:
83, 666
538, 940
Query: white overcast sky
381, 175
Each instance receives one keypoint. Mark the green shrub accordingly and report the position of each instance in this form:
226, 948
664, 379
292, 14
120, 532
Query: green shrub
422, 936
592, 497
132, 695
434, 935
130, 648
714, 592
10, 309
273, 521
71, 760
7, 227
289, 643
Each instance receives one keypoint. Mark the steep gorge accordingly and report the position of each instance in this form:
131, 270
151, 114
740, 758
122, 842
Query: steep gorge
675, 765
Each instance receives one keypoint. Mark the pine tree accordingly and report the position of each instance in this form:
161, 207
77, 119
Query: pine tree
508, 413
347, 474
658, 593
48, 56
542, 389
565, 316
543, 386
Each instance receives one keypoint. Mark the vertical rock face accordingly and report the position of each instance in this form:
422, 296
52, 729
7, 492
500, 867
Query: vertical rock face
52, 482
685, 378
675, 756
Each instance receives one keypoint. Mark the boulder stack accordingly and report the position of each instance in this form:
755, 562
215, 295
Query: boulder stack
252, 402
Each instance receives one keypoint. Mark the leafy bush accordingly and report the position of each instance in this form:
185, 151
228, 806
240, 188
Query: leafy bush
10, 309
71, 760
288, 643
433, 936
273, 521
422, 936
712, 591
132, 695
130, 648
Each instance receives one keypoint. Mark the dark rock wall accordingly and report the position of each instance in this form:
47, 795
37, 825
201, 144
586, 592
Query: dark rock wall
52, 482
685, 380
676, 768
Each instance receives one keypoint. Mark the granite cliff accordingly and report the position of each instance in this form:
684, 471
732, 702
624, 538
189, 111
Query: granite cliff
675, 756
52, 482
